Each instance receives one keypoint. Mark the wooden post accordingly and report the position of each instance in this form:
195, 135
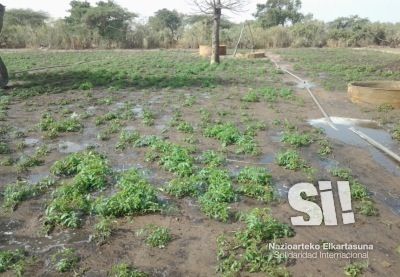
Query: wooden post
240, 38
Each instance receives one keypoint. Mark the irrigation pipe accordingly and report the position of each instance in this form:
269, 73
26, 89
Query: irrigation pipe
245, 162
375, 143
329, 121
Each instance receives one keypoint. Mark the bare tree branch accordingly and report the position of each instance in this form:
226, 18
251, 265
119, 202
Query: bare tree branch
208, 6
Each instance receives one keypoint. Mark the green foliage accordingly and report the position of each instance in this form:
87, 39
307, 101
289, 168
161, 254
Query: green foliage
148, 117
367, 207
156, 236
185, 127
247, 251
296, 139
21, 190
290, 160
14, 260
4, 148
124, 270
325, 148
65, 260
220, 192
247, 145
396, 132
251, 96
25, 17
103, 230
354, 269
228, 133
172, 157
261, 226
359, 192
127, 138
184, 186
86, 86
255, 182
166, 19
212, 159
136, 196
279, 12
53, 127
26, 161
71, 201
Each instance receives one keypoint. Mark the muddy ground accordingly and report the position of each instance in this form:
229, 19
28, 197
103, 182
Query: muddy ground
192, 251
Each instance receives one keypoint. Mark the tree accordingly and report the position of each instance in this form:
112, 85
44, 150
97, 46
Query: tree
3, 69
25, 17
77, 12
214, 8
279, 12
109, 19
166, 19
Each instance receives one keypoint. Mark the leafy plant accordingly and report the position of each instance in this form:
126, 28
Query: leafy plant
220, 192
290, 160
156, 236
225, 132
65, 260
212, 159
136, 196
251, 96
103, 230
354, 269
14, 260
255, 182
184, 186
126, 139
296, 139
53, 127
148, 117
124, 270
21, 190
185, 127
247, 145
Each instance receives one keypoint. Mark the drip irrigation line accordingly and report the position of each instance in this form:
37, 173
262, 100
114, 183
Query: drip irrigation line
329, 121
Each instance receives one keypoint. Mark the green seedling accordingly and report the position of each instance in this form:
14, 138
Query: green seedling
156, 236
255, 182
65, 260
124, 270
14, 260
290, 160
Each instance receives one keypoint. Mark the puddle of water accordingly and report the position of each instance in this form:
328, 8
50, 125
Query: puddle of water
305, 85
119, 105
393, 202
91, 110
70, 147
268, 159
370, 128
44, 244
31, 141
138, 110
328, 164
282, 189
37, 177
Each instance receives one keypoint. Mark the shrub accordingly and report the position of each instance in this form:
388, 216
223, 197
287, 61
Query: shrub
136, 196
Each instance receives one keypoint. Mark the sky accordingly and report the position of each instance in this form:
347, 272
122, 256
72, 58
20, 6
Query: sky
326, 10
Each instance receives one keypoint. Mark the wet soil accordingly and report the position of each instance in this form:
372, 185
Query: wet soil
193, 249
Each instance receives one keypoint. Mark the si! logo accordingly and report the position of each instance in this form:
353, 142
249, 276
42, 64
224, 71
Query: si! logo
326, 212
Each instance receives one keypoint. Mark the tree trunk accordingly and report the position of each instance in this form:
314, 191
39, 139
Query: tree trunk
215, 34
3, 69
